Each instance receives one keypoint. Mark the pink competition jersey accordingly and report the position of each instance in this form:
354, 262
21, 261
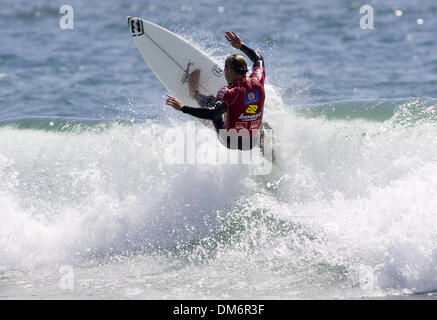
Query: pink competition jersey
245, 100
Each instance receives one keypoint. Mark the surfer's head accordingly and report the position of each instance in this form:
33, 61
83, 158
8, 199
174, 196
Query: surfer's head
235, 67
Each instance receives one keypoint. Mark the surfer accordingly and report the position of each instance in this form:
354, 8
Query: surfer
237, 109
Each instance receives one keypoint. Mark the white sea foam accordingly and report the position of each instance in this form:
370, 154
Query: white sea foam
358, 198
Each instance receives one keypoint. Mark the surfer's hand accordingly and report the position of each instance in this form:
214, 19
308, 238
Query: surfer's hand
173, 102
234, 39
193, 82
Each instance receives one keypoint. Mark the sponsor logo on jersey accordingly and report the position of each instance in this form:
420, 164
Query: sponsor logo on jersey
252, 108
221, 93
251, 97
258, 72
240, 126
251, 117
255, 124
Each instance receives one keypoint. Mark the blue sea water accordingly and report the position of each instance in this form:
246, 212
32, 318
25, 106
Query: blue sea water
348, 211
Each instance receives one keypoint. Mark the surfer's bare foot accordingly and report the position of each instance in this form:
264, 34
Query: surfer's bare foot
193, 82
173, 102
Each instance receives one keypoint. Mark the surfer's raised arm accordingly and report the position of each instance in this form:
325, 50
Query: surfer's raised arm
237, 43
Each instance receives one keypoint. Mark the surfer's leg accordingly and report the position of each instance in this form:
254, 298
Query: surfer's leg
232, 142
222, 135
218, 124
203, 100
266, 125
261, 140
266, 141
246, 143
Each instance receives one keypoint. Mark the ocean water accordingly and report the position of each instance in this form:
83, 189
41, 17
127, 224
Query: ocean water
89, 209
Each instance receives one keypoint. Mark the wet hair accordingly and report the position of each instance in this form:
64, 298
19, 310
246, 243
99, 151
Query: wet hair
238, 64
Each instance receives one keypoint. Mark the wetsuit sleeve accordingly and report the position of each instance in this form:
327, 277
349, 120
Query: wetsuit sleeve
258, 71
212, 112
254, 56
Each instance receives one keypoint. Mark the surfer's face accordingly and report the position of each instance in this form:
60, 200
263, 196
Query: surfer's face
228, 73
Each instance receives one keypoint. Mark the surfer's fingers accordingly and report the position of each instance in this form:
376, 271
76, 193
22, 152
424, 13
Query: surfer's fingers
237, 37
170, 99
171, 103
230, 35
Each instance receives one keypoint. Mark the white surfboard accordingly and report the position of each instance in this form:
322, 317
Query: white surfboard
172, 59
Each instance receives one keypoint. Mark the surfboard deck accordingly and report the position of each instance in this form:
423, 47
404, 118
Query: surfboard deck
172, 59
